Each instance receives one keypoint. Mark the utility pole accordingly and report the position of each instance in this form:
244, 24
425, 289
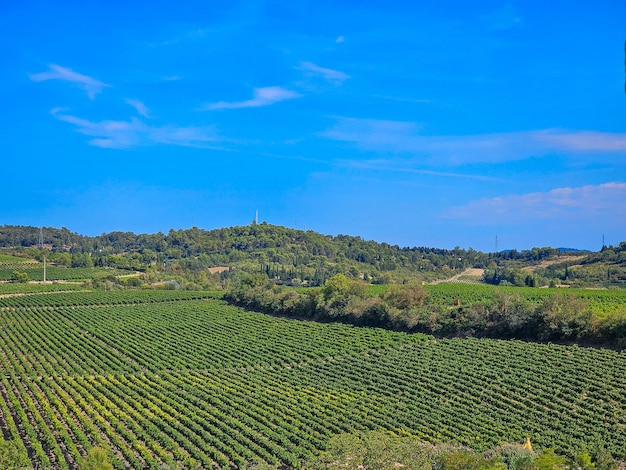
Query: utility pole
44, 268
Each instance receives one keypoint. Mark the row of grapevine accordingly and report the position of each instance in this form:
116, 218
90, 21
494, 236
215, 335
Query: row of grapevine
9, 288
89, 298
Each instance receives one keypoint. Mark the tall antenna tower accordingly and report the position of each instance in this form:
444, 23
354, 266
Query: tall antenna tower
256, 218
497, 244
40, 237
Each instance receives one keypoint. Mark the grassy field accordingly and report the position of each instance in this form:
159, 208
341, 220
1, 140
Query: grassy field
168, 377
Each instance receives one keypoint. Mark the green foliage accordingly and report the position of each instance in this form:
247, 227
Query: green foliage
451, 309
564, 316
548, 460
374, 450
584, 461
405, 297
514, 456
341, 299
96, 459
466, 460
17, 276
13, 455
378, 450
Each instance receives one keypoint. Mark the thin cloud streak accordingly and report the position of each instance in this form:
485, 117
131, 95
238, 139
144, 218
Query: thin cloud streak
262, 97
406, 137
56, 72
140, 107
583, 141
333, 76
582, 204
381, 165
384, 165
135, 133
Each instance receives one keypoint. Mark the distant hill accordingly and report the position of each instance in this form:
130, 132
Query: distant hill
299, 257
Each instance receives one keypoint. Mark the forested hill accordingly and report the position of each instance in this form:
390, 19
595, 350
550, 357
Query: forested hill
280, 252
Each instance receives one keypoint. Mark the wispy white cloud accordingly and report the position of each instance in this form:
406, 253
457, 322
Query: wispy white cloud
582, 204
582, 141
408, 137
340, 39
56, 72
135, 133
262, 97
407, 167
334, 76
139, 106
382, 166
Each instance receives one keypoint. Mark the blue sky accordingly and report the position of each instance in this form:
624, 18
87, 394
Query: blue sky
415, 123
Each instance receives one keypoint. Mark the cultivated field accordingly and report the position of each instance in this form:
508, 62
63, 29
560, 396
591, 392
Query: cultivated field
171, 377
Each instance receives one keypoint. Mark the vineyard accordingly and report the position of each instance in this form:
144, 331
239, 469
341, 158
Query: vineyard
8, 288
35, 272
178, 377
601, 301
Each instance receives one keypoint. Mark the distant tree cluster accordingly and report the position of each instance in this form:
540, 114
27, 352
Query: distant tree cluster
18, 276
340, 299
378, 450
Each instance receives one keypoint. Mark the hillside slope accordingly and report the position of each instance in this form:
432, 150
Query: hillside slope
306, 257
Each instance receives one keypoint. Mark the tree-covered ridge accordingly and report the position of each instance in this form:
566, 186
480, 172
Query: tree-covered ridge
281, 253
297, 256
